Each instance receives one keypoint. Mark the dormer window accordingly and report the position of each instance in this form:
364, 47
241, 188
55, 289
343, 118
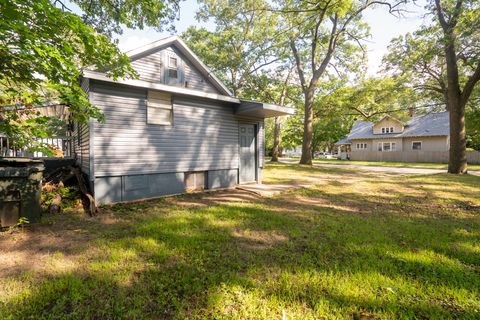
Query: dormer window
172, 63
172, 67
387, 130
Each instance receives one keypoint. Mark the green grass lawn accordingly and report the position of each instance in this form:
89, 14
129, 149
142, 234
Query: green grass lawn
393, 164
354, 246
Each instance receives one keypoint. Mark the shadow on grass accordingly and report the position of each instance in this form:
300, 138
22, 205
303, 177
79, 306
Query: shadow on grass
338, 253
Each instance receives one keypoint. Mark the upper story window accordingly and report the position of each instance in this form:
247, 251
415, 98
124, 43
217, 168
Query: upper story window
172, 67
172, 62
361, 146
387, 130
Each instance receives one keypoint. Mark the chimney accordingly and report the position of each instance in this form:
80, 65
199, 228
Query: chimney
411, 112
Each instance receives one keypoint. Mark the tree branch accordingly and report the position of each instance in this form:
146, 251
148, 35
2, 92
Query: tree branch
298, 63
470, 85
441, 16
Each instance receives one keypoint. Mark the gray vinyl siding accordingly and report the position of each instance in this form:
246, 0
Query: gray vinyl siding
84, 148
222, 178
82, 138
204, 135
151, 68
195, 79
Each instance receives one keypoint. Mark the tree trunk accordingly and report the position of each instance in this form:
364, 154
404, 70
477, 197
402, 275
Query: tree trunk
457, 162
308, 127
276, 140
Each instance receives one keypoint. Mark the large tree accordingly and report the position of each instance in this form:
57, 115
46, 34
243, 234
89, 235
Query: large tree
443, 60
373, 97
323, 35
244, 40
44, 46
460, 23
249, 56
277, 87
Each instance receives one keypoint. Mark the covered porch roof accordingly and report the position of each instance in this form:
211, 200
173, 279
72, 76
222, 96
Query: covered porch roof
343, 142
261, 110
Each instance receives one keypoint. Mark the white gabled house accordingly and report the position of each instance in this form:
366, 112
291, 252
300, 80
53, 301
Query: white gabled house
424, 138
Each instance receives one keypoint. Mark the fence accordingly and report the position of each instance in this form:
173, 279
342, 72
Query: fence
473, 157
61, 146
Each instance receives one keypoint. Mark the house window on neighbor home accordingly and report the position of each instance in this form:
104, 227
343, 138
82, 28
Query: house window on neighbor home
416, 145
387, 146
159, 108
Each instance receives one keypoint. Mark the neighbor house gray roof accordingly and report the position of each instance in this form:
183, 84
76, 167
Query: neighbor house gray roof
432, 124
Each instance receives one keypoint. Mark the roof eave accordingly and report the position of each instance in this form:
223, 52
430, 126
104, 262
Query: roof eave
399, 137
262, 110
161, 87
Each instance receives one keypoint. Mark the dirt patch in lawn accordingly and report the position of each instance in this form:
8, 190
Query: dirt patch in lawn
258, 239
40, 248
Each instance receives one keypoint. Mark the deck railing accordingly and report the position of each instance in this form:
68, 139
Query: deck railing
62, 147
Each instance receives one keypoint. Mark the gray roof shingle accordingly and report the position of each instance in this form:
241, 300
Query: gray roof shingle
432, 124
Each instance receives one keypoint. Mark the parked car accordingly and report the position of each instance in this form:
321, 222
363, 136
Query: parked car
324, 155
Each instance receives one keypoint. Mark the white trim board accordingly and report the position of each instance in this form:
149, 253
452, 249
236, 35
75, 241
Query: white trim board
158, 86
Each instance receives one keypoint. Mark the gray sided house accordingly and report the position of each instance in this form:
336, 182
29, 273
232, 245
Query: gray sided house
424, 138
175, 128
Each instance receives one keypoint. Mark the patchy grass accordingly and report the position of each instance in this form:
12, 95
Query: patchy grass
393, 164
355, 245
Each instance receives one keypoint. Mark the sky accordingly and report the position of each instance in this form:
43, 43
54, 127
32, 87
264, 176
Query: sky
384, 27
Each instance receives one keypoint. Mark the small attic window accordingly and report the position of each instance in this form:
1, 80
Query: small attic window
172, 62
172, 67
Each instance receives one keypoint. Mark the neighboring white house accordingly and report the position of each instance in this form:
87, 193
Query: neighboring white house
424, 138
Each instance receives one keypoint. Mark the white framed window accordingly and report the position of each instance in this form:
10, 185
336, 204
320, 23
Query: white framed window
361, 146
387, 146
417, 145
172, 62
159, 108
383, 130
172, 67
391, 129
